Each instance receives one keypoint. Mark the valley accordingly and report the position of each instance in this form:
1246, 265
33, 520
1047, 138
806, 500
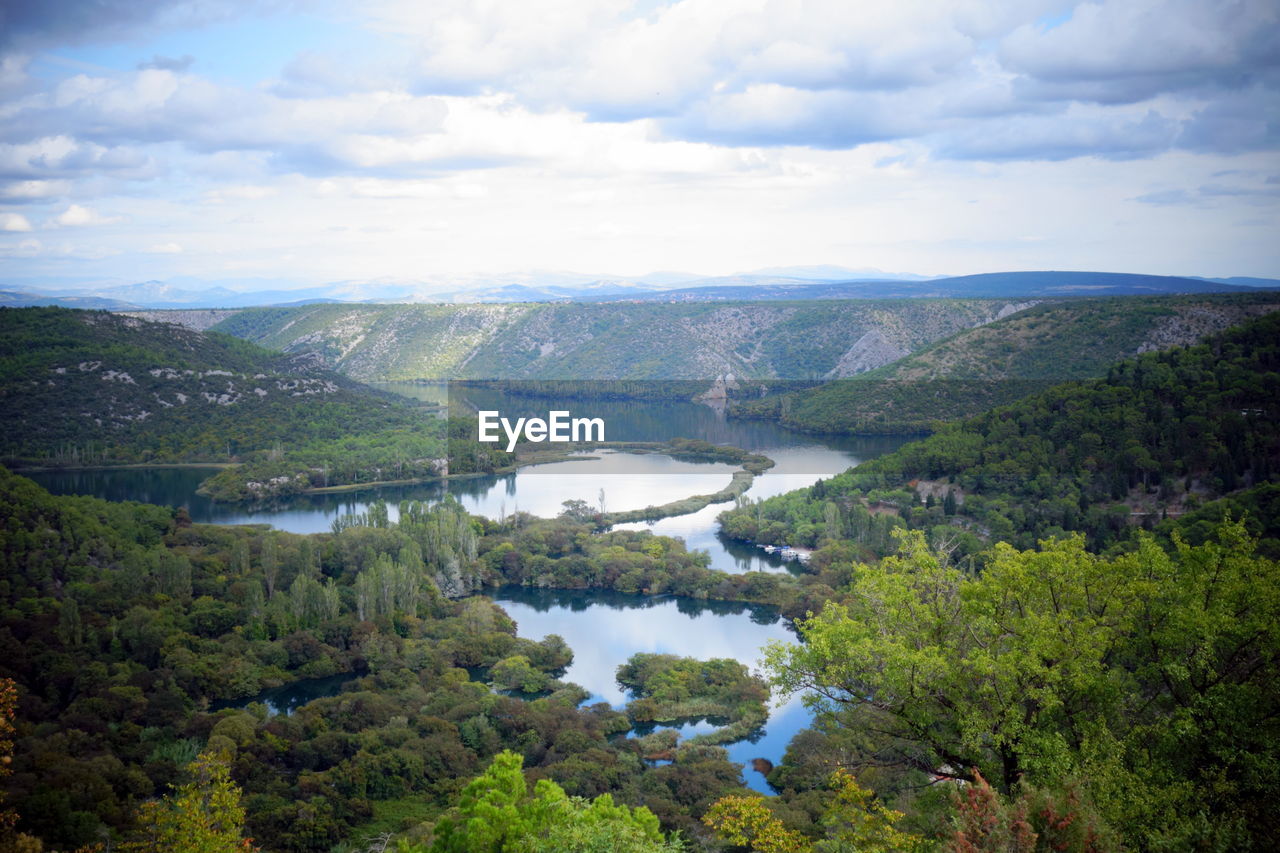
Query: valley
406, 637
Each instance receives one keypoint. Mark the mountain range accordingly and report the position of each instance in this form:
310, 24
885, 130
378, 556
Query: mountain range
771, 283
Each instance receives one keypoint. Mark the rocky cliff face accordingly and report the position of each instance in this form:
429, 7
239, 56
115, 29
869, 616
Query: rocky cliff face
870, 351
198, 319
1192, 322
787, 340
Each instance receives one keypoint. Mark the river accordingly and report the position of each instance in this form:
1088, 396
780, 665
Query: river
603, 630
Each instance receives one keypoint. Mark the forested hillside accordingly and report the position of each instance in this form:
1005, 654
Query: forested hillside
136, 640
127, 630
980, 368
89, 387
1055, 625
793, 340
1157, 437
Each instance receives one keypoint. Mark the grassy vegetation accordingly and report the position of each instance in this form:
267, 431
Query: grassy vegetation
695, 451
668, 689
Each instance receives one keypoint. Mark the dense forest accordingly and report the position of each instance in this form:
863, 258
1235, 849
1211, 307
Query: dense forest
1158, 437
138, 641
126, 627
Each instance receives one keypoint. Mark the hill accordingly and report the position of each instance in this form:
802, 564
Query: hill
977, 369
997, 285
802, 340
22, 299
1157, 437
84, 387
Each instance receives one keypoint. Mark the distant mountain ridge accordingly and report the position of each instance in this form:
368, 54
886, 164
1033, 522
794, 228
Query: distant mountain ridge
770, 283
19, 299
1001, 285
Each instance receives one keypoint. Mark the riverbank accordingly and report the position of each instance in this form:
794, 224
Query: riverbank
688, 450
527, 455
18, 467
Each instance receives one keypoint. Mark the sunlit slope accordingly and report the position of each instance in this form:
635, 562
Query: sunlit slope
790, 340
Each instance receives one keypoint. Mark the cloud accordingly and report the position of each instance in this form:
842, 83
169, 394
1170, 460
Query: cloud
1126, 51
1265, 193
164, 249
968, 80
832, 74
28, 248
39, 22
1165, 198
1235, 123
14, 222
33, 191
1076, 132
64, 157
76, 215
112, 117
32, 248
242, 192
769, 114
702, 122
168, 63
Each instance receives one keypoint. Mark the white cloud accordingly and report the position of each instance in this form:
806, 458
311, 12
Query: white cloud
34, 190
703, 134
28, 248
14, 222
165, 249
241, 192
77, 215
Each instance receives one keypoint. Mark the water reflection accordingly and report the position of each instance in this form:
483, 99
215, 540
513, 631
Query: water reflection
796, 467
629, 420
289, 698
436, 393
629, 481
605, 629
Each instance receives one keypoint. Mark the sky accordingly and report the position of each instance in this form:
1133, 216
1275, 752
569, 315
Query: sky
308, 142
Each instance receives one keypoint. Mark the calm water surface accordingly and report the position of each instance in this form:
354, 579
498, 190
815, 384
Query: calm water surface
602, 629
629, 481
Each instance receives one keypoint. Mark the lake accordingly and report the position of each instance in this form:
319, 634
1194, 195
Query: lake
603, 629
629, 481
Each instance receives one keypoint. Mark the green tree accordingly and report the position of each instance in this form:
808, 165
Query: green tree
498, 813
203, 815
1152, 675
853, 821
748, 822
992, 672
